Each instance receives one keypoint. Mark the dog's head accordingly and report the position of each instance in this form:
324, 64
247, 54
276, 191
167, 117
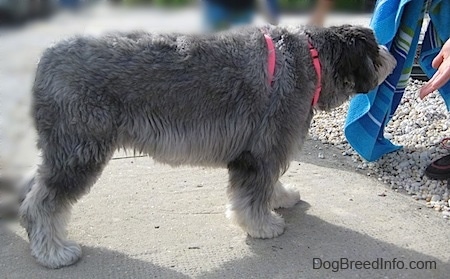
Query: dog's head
352, 62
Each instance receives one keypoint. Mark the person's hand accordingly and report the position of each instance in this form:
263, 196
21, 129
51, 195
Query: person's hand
442, 63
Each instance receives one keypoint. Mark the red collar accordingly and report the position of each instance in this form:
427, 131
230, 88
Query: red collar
270, 57
316, 62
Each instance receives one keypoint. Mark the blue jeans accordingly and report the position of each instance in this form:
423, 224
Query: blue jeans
218, 18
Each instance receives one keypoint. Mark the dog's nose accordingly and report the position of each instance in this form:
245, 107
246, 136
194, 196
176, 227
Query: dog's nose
382, 47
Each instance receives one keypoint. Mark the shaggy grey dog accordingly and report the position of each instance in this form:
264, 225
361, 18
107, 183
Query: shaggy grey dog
186, 99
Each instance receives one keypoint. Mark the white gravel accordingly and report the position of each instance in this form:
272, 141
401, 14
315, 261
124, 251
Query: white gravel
418, 125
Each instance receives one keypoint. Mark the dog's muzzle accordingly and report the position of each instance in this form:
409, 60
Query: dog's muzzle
388, 64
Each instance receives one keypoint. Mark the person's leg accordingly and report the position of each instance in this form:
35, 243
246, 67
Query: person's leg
242, 17
322, 8
215, 17
271, 11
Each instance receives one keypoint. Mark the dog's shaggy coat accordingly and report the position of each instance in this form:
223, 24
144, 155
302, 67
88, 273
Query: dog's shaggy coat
185, 99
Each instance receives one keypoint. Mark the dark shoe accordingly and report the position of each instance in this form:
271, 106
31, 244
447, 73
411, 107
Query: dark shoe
439, 169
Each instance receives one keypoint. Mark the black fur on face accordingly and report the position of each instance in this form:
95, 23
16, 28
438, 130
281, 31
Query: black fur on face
359, 58
354, 52
352, 62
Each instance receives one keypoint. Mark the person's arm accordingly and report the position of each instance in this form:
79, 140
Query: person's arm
442, 63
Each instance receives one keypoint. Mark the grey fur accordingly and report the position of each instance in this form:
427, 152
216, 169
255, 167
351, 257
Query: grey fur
185, 99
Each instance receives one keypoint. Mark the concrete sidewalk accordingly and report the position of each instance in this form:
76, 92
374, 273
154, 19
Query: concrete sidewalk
146, 220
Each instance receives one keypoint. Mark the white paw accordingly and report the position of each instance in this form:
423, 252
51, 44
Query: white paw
266, 226
57, 255
284, 196
271, 227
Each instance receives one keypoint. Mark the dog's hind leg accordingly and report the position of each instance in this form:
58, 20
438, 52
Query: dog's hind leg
250, 190
67, 171
284, 196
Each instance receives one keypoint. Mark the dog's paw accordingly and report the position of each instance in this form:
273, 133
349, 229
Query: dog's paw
59, 255
284, 196
258, 226
271, 226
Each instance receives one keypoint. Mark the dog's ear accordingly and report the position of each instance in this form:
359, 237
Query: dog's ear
358, 60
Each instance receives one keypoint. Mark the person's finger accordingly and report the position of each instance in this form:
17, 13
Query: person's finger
425, 92
427, 88
436, 82
437, 61
441, 80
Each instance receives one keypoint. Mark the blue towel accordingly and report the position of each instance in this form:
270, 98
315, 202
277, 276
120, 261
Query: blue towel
397, 25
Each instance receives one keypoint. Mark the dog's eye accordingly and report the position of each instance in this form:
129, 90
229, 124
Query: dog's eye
349, 83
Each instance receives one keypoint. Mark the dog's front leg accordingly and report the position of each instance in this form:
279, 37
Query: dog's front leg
250, 190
